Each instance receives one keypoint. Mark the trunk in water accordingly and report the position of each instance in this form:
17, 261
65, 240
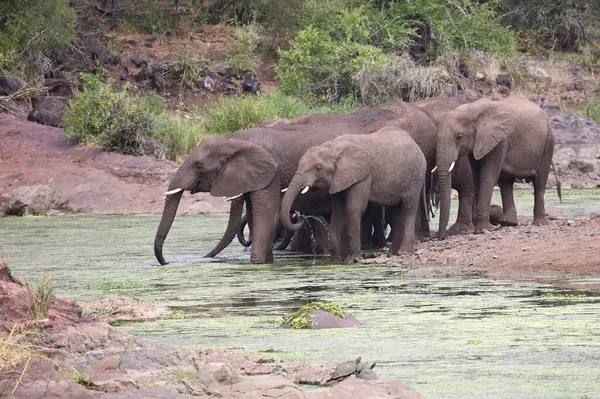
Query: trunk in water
286, 206
171, 205
235, 218
445, 188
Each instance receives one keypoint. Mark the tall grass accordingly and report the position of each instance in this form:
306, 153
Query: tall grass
592, 110
39, 297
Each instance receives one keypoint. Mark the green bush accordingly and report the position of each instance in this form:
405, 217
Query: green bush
244, 57
343, 37
244, 112
111, 119
28, 26
592, 110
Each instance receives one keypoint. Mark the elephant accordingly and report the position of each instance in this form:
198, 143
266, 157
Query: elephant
313, 239
406, 116
505, 139
385, 168
252, 165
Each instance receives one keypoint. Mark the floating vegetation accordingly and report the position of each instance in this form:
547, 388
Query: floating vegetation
303, 317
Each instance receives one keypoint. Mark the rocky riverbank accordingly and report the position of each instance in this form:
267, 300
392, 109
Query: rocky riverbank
72, 355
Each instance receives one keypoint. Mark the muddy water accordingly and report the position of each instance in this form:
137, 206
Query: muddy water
471, 338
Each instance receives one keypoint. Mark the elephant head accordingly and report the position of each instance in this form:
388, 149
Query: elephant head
476, 129
335, 165
222, 166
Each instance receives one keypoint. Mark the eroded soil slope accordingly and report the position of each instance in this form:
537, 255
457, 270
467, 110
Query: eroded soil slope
86, 179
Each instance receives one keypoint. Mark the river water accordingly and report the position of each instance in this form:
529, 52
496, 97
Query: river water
450, 338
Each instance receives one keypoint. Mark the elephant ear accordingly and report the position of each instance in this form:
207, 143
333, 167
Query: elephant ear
249, 167
494, 124
353, 165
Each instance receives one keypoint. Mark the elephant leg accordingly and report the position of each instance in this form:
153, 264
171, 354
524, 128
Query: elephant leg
265, 206
539, 184
509, 209
487, 176
337, 227
286, 238
408, 211
321, 228
397, 232
422, 222
462, 179
366, 229
356, 204
378, 227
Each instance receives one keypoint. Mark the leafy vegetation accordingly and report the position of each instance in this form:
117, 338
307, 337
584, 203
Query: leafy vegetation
592, 110
303, 319
33, 26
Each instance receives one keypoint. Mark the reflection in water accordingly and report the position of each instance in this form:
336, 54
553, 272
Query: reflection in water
471, 338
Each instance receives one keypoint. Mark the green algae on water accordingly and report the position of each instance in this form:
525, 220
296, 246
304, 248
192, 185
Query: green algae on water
303, 318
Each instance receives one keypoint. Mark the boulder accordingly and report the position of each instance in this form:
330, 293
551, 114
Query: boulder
31, 200
49, 111
554, 213
322, 319
595, 216
354, 388
59, 87
10, 84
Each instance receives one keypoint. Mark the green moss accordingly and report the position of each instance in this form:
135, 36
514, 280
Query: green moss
303, 319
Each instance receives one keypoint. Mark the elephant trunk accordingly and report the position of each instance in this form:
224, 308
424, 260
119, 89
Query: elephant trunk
171, 205
445, 193
235, 218
240, 232
286, 206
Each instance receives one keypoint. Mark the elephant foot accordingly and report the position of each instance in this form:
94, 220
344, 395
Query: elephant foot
481, 227
509, 223
509, 218
540, 221
461, 228
350, 259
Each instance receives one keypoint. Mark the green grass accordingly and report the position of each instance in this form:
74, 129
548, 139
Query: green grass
592, 110
303, 319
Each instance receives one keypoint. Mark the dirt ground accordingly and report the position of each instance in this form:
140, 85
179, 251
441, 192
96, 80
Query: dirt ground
565, 253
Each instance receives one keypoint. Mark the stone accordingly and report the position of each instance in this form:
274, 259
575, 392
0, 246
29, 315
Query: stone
504, 80
554, 213
49, 111
464, 70
304, 373
10, 84
322, 319
480, 76
250, 84
31, 200
595, 216
354, 388
59, 87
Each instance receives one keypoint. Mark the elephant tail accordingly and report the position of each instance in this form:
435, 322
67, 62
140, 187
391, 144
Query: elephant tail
235, 218
433, 197
426, 202
558, 186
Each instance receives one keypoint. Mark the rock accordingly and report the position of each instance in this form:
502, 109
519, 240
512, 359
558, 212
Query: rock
595, 216
504, 80
10, 84
554, 213
95, 50
353, 388
158, 80
480, 76
59, 87
112, 309
138, 61
31, 200
581, 165
304, 373
322, 319
250, 84
49, 111
464, 70
133, 42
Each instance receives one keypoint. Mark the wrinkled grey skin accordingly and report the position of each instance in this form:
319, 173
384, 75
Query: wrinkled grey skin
385, 168
506, 139
257, 163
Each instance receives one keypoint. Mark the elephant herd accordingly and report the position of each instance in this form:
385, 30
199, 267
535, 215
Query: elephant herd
349, 176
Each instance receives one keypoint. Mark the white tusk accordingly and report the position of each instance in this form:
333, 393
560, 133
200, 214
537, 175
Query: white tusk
434, 169
234, 197
175, 191
305, 189
283, 190
451, 167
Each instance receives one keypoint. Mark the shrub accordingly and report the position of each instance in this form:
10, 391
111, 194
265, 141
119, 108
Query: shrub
180, 135
400, 79
29, 26
592, 110
111, 119
39, 297
244, 56
243, 112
